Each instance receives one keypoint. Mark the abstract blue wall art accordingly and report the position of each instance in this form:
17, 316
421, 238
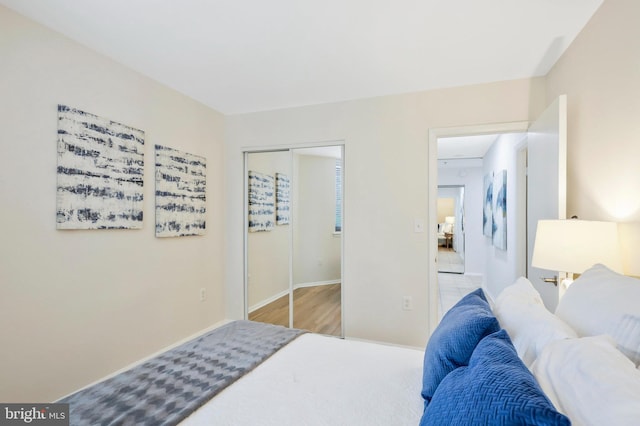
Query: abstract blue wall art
500, 210
100, 172
261, 202
181, 202
283, 188
487, 211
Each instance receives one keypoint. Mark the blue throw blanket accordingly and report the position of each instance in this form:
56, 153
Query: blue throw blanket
169, 387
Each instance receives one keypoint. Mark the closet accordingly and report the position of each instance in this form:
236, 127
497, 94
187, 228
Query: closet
294, 236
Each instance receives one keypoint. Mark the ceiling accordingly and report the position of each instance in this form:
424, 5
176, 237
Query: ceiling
240, 56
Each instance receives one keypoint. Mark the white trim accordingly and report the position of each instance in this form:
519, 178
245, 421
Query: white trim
292, 223
153, 355
245, 235
267, 301
316, 283
288, 147
432, 165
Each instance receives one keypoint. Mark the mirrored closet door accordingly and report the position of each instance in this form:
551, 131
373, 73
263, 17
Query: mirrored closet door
293, 238
268, 257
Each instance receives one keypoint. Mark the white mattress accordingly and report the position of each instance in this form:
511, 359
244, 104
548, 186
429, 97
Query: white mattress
320, 380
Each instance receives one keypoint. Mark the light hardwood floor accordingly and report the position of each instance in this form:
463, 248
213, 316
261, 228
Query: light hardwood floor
316, 309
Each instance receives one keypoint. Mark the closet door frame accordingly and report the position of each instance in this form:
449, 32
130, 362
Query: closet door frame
290, 148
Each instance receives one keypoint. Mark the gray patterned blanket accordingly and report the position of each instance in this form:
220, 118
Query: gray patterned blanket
169, 387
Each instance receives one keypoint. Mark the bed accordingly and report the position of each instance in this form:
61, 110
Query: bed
506, 362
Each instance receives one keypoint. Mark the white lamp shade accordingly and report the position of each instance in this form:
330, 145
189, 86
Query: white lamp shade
450, 219
576, 245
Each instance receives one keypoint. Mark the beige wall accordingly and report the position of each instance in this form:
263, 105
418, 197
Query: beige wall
316, 249
445, 208
386, 181
77, 305
600, 73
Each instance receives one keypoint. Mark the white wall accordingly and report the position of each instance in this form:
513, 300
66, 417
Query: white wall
316, 248
386, 188
268, 251
77, 305
471, 178
601, 77
501, 268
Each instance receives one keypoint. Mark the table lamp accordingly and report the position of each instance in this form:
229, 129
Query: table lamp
573, 246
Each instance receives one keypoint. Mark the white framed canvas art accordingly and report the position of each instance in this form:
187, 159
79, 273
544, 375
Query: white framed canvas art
100, 172
500, 210
181, 184
261, 202
283, 188
487, 210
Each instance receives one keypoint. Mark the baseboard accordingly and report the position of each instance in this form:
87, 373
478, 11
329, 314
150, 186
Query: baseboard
153, 355
317, 283
267, 301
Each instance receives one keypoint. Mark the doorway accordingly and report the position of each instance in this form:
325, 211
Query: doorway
293, 237
539, 160
451, 168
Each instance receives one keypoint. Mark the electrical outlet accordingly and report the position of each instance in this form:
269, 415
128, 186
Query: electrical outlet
203, 294
407, 303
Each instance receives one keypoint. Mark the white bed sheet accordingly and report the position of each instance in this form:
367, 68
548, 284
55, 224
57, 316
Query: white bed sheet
320, 380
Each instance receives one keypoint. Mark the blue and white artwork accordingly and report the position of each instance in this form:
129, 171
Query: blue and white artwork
487, 211
100, 172
181, 202
283, 188
500, 210
261, 202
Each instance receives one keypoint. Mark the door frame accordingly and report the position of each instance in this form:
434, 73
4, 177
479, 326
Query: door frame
433, 289
245, 228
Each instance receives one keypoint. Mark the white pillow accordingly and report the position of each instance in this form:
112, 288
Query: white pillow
590, 381
520, 311
602, 301
522, 289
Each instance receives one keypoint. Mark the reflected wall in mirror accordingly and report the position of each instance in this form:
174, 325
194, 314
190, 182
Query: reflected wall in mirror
317, 245
296, 263
268, 247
